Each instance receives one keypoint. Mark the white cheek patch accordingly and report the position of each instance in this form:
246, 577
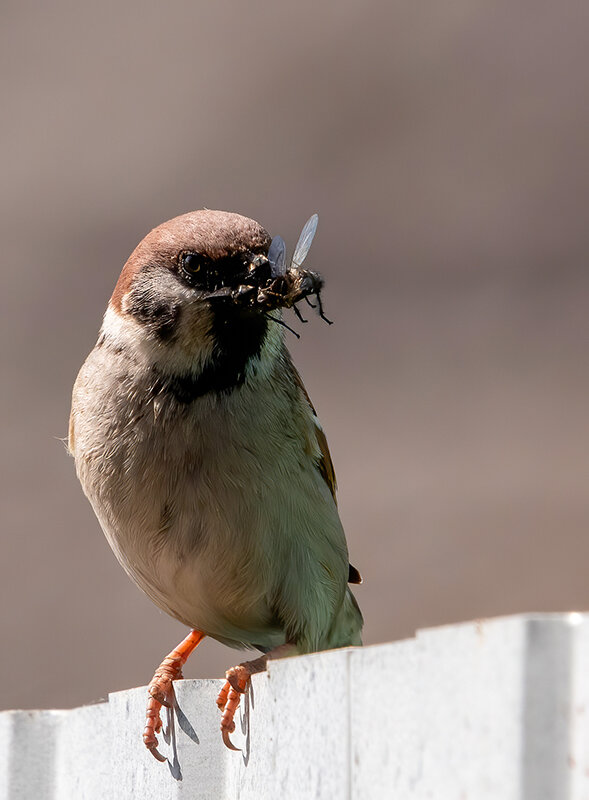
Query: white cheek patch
189, 351
121, 329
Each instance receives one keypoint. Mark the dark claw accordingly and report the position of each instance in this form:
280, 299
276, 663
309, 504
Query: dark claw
162, 698
227, 741
156, 753
309, 302
234, 681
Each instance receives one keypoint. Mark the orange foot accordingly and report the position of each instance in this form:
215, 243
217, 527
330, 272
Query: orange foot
230, 695
236, 684
161, 691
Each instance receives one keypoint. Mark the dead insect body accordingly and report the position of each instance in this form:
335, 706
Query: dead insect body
268, 283
286, 290
292, 284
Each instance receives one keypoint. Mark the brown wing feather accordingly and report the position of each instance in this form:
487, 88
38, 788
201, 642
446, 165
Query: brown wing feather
324, 464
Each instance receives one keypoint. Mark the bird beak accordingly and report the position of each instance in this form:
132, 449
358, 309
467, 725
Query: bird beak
246, 284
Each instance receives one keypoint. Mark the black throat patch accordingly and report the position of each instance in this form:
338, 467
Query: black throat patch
238, 334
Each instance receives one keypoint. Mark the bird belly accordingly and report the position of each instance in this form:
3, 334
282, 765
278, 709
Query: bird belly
215, 510
197, 568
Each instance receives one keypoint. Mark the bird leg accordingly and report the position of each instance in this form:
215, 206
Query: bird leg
160, 689
236, 684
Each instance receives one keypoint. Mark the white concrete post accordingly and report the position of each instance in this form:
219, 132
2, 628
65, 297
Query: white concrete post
491, 710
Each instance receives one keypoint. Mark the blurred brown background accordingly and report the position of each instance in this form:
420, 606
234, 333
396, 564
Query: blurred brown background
446, 149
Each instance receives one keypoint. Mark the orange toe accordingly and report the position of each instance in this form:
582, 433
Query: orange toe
161, 689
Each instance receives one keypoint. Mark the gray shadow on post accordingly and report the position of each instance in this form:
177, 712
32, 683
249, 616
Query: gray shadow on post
248, 704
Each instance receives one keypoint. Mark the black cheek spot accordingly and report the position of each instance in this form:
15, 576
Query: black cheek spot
159, 316
164, 321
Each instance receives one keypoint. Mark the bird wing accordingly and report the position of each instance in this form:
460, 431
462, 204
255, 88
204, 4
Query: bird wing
324, 463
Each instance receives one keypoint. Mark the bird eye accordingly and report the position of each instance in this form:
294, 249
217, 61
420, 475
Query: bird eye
191, 263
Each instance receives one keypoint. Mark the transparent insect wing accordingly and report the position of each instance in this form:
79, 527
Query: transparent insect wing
305, 239
277, 256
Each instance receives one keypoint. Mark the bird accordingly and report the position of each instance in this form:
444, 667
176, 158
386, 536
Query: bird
203, 458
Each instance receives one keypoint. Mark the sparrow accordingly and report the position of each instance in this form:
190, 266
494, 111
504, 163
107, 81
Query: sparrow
202, 456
